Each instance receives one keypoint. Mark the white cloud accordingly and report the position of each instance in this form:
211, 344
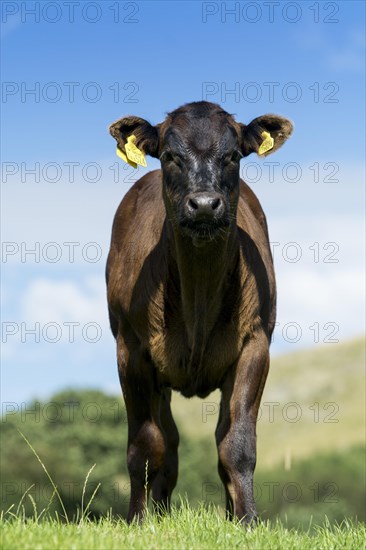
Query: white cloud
46, 300
322, 240
59, 336
57, 312
319, 265
309, 296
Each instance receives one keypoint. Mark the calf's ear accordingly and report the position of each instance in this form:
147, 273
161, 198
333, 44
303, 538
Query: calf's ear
265, 134
147, 136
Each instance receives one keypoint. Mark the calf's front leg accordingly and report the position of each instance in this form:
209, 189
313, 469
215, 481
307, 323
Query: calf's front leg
146, 446
166, 479
236, 430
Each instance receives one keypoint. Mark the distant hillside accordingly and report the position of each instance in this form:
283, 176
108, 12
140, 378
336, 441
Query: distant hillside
313, 401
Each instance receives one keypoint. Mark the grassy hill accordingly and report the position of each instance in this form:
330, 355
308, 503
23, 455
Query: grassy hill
314, 401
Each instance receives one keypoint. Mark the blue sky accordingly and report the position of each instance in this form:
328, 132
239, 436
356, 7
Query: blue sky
304, 60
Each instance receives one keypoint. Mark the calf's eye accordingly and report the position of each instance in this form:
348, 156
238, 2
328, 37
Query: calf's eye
166, 156
170, 157
233, 157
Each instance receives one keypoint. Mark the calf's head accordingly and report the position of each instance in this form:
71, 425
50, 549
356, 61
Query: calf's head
200, 146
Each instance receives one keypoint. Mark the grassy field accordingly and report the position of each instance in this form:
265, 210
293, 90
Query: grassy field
184, 528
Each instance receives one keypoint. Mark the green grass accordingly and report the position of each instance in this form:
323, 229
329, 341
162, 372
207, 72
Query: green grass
185, 528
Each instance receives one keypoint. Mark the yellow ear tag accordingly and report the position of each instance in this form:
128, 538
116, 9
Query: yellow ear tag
133, 153
267, 143
122, 156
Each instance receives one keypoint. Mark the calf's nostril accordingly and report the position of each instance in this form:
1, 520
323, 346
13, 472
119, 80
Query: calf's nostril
192, 204
215, 204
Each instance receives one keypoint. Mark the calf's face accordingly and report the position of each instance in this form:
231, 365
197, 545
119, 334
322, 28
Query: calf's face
200, 147
200, 163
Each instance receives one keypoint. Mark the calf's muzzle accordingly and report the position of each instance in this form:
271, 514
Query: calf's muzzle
204, 206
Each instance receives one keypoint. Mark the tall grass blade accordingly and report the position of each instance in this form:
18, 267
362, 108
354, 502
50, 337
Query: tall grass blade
34, 507
91, 499
47, 474
84, 489
23, 497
